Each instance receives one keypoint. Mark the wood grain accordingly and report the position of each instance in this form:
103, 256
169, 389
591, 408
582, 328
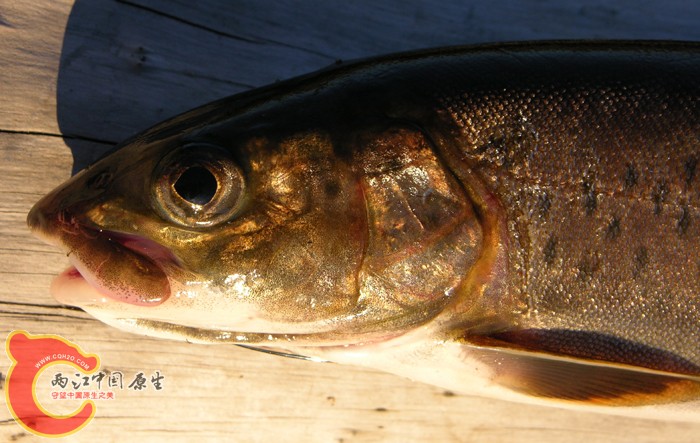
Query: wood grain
77, 77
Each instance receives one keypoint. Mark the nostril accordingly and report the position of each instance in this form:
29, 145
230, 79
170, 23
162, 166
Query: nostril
100, 181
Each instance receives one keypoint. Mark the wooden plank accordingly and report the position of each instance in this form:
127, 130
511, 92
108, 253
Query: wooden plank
101, 70
139, 60
30, 36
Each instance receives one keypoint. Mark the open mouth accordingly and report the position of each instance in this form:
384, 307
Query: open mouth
114, 266
106, 265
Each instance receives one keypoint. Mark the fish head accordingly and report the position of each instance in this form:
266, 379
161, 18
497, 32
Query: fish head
228, 229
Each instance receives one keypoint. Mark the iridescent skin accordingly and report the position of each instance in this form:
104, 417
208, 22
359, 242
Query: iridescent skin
461, 212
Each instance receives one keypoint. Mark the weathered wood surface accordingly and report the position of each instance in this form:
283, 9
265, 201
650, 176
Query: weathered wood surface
77, 77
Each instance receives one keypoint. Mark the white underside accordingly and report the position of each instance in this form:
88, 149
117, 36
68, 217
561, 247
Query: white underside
448, 365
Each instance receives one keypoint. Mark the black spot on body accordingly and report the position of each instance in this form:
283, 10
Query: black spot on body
550, 250
587, 267
630, 176
497, 143
658, 196
543, 205
613, 229
689, 168
507, 144
331, 189
590, 202
641, 260
381, 409
683, 220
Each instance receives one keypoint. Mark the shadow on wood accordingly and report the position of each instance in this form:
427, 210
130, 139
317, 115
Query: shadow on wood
126, 65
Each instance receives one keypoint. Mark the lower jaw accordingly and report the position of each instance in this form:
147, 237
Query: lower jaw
71, 288
77, 287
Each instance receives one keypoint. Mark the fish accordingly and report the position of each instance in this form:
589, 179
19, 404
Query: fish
517, 221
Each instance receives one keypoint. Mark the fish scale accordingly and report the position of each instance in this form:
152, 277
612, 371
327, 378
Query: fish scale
617, 240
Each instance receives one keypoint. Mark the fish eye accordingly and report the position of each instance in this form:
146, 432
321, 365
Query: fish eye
197, 185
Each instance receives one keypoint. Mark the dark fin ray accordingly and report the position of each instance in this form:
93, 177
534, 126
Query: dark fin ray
280, 353
596, 346
576, 380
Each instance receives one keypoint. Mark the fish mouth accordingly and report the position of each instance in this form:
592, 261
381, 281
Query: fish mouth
106, 266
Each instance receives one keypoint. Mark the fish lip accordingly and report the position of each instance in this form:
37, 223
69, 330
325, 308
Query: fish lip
144, 246
80, 238
69, 225
146, 252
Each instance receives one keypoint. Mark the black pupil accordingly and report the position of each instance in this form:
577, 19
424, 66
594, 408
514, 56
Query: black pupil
196, 185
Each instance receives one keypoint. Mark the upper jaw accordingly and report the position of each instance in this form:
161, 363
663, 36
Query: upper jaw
122, 267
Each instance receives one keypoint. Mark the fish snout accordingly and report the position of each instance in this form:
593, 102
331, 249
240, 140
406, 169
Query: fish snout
57, 210
37, 219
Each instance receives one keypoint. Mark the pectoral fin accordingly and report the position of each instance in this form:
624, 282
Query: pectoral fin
518, 365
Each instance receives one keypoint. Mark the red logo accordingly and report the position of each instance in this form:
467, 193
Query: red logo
30, 355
